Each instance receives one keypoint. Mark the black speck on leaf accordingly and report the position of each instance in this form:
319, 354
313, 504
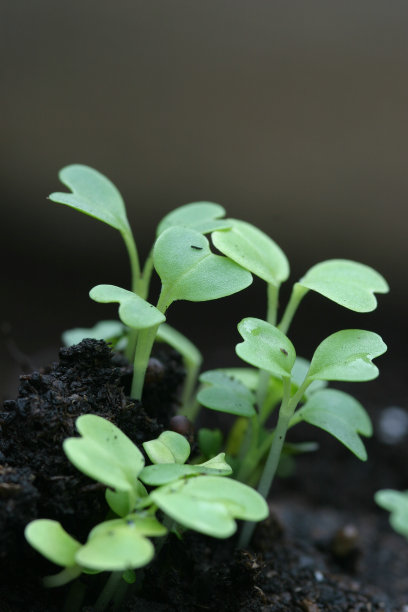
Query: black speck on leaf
284, 351
196, 248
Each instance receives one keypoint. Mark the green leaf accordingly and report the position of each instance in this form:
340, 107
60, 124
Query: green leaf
395, 502
123, 502
204, 217
104, 453
190, 353
189, 271
209, 504
339, 414
346, 355
104, 330
51, 540
226, 394
253, 250
169, 447
134, 311
155, 475
120, 547
265, 347
143, 525
348, 283
247, 376
92, 194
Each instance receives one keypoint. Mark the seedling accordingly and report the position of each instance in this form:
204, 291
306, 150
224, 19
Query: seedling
198, 497
181, 256
396, 502
281, 378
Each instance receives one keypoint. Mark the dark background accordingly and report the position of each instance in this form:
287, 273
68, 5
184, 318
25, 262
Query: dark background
293, 115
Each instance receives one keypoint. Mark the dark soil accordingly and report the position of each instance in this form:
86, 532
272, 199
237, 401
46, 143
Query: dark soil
309, 556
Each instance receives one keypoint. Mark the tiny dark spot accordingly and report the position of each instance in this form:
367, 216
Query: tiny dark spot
284, 351
115, 437
196, 248
130, 522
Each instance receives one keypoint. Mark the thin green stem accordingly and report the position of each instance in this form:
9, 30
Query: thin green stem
108, 591
147, 272
271, 315
249, 461
144, 345
298, 292
273, 458
133, 258
188, 404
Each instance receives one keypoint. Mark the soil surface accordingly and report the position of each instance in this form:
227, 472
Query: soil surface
309, 556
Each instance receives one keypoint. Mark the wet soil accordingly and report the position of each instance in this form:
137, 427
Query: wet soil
309, 556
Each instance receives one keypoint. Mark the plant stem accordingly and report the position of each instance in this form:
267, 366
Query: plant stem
144, 345
145, 341
108, 591
285, 413
271, 314
298, 292
133, 258
147, 272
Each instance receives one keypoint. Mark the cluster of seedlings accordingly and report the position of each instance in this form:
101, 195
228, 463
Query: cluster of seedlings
233, 476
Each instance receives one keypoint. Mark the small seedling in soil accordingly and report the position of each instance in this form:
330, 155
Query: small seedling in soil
181, 256
279, 383
282, 381
199, 497
396, 502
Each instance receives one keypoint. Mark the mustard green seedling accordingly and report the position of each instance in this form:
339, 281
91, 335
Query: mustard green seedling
282, 381
198, 497
181, 256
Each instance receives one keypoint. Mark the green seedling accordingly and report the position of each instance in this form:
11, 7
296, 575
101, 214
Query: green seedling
396, 502
198, 497
282, 381
181, 255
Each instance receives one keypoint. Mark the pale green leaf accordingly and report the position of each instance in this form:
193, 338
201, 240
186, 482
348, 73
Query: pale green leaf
247, 376
134, 311
104, 330
299, 373
169, 447
189, 271
160, 474
119, 548
209, 504
92, 194
143, 525
395, 502
225, 394
339, 414
346, 355
204, 217
253, 250
51, 540
348, 283
265, 347
104, 453
123, 502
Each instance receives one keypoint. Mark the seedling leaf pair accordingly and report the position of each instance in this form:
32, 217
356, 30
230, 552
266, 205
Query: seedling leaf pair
209, 504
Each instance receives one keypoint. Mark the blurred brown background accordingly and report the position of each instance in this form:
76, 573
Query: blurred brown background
293, 115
